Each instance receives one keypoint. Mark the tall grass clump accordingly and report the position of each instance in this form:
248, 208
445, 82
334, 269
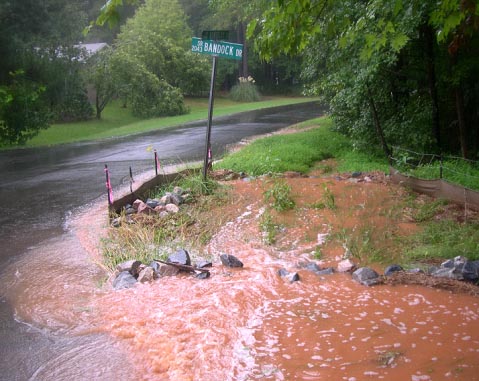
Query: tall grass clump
245, 90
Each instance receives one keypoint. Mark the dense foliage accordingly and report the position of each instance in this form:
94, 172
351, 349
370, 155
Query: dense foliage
401, 72
39, 68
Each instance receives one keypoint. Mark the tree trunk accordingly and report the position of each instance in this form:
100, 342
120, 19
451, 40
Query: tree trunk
377, 125
461, 121
97, 106
243, 64
431, 78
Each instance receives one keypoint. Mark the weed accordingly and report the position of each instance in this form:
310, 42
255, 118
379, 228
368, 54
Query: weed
318, 253
426, 211
268, 227
327, 201
279, 196
361, 244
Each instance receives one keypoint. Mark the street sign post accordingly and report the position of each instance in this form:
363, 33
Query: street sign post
216, 49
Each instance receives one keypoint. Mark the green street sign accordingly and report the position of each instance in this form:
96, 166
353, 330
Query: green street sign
216, 35
217, 48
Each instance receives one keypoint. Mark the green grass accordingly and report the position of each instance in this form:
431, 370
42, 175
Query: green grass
118, 121
444, 239
300, 152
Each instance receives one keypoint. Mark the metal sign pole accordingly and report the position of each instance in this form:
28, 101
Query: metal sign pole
210, 117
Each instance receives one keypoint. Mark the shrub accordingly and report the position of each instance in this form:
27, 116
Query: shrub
245, 91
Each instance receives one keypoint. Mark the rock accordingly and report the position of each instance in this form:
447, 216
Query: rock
356, 174
346, 265
416, 270
203, 264
124, 280
203, 275
136, 267
176, 199
127, 265
392, 269
326, 271
229, 260
178, 191
146, 275
181, 256
459, 268
312, 266
163, 214
167, 270
449, 264
129, 210
446, 272
166, 199
136, 203
160, 208
155, 265
172, 208
366, 276
152, 203
291, 277
116, 222
144, 209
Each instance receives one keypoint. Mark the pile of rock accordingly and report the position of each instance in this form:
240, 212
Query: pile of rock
459, 268
168, 204
131, 272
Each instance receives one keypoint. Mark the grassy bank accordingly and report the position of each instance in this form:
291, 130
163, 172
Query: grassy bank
118, 121
301, 151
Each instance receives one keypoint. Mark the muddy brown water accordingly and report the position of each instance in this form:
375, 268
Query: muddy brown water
245, 324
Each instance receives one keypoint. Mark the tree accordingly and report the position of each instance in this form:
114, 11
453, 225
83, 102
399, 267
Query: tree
367, 60
32, 34
152, 60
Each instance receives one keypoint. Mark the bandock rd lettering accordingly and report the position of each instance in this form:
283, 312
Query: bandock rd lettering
217, 48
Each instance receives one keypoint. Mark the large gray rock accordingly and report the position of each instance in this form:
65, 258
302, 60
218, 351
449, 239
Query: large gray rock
181, 257
124, 280
229, 260
366, 276
459, 268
